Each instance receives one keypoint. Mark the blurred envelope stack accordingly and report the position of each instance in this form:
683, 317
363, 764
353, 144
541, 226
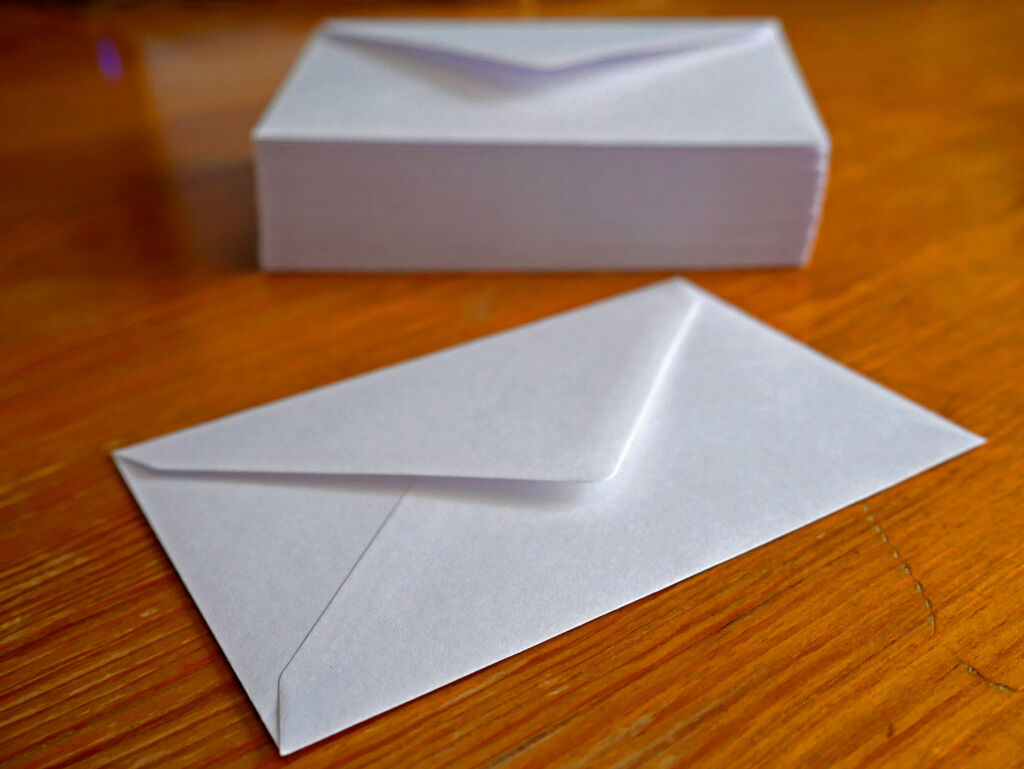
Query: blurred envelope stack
541, 145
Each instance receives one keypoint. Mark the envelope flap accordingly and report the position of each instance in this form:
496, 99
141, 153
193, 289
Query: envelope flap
552, 46
651, 83
556, 400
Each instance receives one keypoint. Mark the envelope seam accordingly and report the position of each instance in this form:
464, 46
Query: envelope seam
327, 605
725, 42
670, 357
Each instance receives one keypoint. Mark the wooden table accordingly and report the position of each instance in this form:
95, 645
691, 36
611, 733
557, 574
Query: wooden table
130, 306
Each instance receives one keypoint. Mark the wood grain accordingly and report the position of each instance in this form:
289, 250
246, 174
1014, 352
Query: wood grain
130, 306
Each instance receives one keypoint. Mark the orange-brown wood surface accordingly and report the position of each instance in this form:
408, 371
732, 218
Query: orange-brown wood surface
885, 634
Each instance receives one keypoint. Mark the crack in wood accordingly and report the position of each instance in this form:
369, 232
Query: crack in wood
919, 588
906, 568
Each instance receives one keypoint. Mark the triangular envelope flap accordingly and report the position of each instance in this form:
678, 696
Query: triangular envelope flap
749, 436
552, 47
555, 400
262, 557
656, 83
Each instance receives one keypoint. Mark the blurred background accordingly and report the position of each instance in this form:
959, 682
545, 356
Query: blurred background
142, 110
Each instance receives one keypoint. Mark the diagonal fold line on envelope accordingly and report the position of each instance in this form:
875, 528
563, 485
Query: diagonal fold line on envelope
542, 54
262, 554
327, 606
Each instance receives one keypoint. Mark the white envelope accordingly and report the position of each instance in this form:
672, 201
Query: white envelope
540, 145
362, 544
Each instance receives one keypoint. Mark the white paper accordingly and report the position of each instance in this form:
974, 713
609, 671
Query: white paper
337, 597
540, 145
653, 82
448, 414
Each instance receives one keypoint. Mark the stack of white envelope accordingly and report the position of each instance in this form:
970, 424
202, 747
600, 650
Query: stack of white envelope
359, 545
541, 145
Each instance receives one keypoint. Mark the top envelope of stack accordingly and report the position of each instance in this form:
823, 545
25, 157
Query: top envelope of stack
550, 145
